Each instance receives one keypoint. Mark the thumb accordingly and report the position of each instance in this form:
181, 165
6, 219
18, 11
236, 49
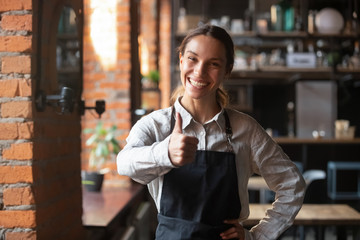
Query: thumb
178, 124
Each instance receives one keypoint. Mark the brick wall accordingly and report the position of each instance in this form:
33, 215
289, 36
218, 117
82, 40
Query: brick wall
112, 83
149, 35
108, 80
40, 186
165, 51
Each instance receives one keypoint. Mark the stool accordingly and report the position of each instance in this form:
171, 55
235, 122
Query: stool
332, 168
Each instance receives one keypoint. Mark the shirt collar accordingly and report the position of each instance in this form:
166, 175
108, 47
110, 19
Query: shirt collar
187, 117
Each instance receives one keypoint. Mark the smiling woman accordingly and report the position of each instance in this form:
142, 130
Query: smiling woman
197, 155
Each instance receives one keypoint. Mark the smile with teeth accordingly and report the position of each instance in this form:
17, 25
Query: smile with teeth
197, 84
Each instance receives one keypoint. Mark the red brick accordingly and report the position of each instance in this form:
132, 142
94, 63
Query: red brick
11, 5
26, 130
15, 87
15, 44
16, 64
21, 109
124, 115
123, 76
8, 131
17, 22
25, 88
115, 85
9, 88
20, 235
124, 125
95, 76
95, 95
19, 151
15, 174
21, 219
118, 105
88, 85
18, 196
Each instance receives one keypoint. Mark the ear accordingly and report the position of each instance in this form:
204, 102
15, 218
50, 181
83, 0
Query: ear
180, 59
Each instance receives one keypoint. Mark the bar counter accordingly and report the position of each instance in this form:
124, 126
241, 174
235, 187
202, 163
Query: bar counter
288, 140
315, 153
105, 213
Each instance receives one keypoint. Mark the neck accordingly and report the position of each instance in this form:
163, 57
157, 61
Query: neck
201, 110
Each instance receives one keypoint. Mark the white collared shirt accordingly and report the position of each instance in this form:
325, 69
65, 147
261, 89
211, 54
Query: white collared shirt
145, 159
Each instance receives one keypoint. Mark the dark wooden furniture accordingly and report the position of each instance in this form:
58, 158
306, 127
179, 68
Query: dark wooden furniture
106, 213
319, 215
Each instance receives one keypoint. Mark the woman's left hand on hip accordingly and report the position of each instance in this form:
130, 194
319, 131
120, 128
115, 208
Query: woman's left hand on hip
237, 231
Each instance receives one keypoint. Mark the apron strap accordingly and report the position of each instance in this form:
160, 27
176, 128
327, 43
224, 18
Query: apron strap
228, 131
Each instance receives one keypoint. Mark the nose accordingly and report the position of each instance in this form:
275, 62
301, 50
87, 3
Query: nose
199, 69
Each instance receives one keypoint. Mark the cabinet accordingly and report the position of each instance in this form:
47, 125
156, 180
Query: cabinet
261, 53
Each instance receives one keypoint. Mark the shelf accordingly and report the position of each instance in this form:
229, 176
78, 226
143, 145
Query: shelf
281, 34
274, 74
281, 73
288, 140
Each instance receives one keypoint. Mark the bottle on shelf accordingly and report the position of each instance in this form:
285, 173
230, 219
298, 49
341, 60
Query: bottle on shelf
288, 15
276, 17
355, 58
311, 21
282, 16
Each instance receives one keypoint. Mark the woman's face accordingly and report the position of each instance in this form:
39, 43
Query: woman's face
203, 67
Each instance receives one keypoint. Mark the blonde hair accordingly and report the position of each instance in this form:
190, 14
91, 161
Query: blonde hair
222, 96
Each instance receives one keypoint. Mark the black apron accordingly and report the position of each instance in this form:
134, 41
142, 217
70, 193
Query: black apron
197, 197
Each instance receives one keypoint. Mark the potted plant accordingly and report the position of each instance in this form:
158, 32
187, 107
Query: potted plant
103, 144
151, 80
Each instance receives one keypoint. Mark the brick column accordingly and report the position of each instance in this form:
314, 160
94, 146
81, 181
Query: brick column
40, 185
16, 126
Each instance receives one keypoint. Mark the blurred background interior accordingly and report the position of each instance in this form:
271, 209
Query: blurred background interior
76, 73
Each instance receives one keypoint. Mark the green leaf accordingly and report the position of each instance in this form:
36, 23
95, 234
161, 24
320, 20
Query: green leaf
88, 130
92, 139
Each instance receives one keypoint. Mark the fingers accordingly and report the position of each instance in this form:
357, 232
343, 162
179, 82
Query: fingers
237, 231
178, 124
182, 148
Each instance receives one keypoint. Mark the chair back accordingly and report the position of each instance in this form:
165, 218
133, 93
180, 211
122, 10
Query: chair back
313, 174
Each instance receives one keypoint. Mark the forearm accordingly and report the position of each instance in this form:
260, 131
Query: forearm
289, 196
144, 163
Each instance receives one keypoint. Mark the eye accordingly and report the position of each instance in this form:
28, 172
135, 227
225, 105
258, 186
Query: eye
191, 58
215, 64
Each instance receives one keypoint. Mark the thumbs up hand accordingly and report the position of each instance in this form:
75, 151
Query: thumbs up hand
182, 148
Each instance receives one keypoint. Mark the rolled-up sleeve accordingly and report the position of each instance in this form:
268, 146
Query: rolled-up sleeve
145, 156
282, 177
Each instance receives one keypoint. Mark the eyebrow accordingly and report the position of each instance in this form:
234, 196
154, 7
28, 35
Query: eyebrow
216, 59
189, 51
